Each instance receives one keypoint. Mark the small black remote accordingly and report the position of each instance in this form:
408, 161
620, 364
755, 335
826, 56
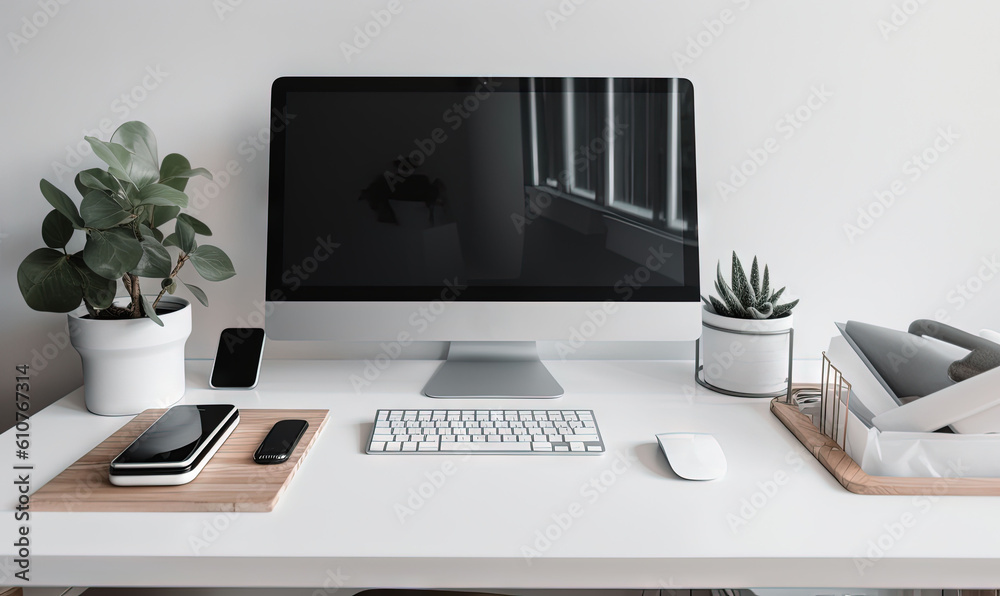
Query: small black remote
280, 441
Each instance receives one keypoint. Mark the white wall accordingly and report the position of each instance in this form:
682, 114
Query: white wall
886, 95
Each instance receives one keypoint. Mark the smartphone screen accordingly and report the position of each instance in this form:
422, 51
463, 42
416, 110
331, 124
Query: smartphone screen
237, 362
177, 437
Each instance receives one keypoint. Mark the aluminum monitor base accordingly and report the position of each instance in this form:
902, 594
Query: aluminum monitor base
492, 370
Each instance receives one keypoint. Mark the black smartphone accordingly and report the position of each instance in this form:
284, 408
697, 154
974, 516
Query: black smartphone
280, 441
177, 437
237, 361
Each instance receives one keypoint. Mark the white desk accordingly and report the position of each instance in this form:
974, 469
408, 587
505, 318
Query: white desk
643, 528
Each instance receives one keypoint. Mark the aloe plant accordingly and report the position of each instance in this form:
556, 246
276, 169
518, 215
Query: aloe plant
122, 212
747, 298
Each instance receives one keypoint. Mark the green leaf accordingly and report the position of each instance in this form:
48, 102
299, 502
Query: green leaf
184, 236
715, 305
48, 282
162, 195
155, 261
176, 169
101, 211
61, 202
211, 263
161, 215
755, 281
169, 284
765, 289
139, 140
735, 308
783, 309
150, 311
57, 229
147, 231
118, 158
98, 292
112, 253
198, 293
95, 179
198, 226
775, 296
741, 287
761, 313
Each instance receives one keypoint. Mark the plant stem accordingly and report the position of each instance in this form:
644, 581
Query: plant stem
132, 286
180, 263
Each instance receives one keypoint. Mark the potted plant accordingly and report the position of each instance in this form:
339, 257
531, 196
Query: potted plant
746, 335
132, 347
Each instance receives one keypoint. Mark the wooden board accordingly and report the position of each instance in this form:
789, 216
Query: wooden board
853, 478
231, 481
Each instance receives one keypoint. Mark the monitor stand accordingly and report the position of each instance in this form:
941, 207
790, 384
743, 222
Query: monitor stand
488, 369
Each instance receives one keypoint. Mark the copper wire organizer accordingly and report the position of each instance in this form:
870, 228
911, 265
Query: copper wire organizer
834, 391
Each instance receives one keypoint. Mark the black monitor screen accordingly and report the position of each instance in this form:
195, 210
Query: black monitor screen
533, 189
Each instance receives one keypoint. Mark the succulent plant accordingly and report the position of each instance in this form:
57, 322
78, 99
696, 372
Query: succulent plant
747, 298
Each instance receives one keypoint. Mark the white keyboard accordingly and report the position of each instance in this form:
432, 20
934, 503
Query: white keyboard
569, 432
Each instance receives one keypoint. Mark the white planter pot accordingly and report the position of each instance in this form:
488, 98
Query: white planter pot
130, 365
746, 364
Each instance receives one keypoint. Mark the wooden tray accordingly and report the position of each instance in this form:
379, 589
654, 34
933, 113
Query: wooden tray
854, 479
231, 481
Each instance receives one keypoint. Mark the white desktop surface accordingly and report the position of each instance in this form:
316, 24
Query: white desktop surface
647, 529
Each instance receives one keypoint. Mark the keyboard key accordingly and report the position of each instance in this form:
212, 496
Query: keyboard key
377, 446
428, 446
394, 446
576, 446
539, 446
409, 446
485, 447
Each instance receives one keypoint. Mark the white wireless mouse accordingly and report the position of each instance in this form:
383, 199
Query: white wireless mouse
693, 456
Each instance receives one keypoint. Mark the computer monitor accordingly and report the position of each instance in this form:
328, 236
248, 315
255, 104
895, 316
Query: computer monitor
489, 212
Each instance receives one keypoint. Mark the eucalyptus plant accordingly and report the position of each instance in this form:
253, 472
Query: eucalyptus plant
747, 298
123, 211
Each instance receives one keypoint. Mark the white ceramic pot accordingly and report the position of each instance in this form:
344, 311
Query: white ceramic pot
130, 365
745, 364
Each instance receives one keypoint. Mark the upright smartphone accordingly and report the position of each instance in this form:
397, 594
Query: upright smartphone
237, 361
177, 437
